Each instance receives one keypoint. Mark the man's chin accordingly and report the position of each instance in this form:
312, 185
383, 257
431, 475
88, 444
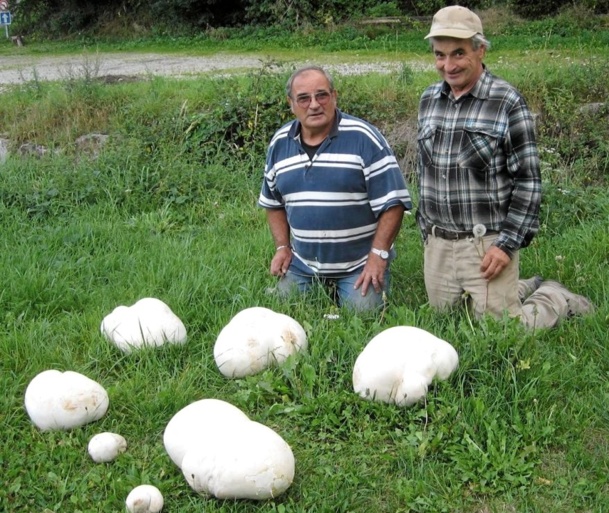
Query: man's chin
452, 80
316, 123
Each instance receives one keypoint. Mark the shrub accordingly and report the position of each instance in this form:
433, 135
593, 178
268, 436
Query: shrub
241, 124
532, 9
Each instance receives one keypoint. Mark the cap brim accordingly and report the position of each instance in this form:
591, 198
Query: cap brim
456, 33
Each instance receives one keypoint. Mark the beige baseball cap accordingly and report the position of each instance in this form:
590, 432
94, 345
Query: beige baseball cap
455, 21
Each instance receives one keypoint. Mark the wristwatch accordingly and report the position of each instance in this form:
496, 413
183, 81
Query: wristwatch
381, 252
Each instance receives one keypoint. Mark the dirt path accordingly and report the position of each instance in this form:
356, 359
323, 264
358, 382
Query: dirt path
19, 69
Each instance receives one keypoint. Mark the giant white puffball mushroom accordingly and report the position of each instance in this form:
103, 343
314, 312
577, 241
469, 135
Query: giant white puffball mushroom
56, 400
251, 462
147, 323
105, 447
255, 339
199, 420
145, 499
398, 365
223, 453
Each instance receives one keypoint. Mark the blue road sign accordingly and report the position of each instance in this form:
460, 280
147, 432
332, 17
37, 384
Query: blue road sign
5, 18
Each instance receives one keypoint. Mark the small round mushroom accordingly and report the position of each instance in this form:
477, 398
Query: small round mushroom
105, 447
145, 499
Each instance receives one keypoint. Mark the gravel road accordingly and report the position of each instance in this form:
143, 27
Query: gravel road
19, 69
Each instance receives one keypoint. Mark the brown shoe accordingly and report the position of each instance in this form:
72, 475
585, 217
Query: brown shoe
578, 305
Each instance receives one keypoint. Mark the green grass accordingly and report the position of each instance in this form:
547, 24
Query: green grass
168, 210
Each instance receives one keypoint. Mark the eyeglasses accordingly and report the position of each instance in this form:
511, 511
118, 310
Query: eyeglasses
321, 97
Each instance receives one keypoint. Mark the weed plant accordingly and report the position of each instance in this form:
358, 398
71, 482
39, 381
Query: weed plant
168, 210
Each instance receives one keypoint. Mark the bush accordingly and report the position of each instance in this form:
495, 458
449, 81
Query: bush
241, 125
532, 9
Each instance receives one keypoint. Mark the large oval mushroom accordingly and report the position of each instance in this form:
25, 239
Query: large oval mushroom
223, 453
398, 365
147, 323
255, 339
57, 400
247, 461
198, 421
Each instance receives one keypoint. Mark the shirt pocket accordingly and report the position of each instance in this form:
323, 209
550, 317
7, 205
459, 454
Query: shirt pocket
425, 141
478, 146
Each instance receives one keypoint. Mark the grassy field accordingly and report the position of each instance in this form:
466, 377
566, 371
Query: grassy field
168, 210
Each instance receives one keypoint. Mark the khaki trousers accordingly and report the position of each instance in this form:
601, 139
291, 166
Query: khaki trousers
452, 276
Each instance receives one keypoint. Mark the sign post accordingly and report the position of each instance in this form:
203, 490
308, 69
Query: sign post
5, 16
5, 19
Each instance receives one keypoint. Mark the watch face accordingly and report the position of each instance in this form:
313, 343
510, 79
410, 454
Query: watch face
381, 252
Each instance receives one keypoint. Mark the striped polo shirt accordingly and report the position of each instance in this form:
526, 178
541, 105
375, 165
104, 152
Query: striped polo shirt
333, 200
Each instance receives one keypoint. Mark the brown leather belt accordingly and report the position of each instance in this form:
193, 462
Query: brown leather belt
442, 233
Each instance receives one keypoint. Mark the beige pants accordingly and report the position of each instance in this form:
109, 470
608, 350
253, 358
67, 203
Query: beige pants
452, 275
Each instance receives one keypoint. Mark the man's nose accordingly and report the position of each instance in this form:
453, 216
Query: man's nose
450, 63
314, 103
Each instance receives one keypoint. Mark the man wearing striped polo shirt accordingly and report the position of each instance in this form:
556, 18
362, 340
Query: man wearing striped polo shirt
334, 197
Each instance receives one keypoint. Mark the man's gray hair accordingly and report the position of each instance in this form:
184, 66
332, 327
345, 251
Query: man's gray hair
288, 86
477, 40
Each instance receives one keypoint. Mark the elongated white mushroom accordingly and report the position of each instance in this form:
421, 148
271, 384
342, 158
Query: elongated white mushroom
223, 453
145, 499
249, 461
201, 420
57, 400
255, 339
398, 365
147, 323
105, 447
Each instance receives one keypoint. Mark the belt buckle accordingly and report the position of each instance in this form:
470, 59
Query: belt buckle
438, 232
450, 235
445, 234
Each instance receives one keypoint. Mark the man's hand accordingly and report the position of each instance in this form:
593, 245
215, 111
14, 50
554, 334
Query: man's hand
372, 274
494, 262
387, 230
281, 262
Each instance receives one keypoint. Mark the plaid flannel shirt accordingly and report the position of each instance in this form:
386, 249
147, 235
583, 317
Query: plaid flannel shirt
478, 162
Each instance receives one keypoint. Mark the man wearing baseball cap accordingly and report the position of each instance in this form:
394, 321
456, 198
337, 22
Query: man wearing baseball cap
480, 184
